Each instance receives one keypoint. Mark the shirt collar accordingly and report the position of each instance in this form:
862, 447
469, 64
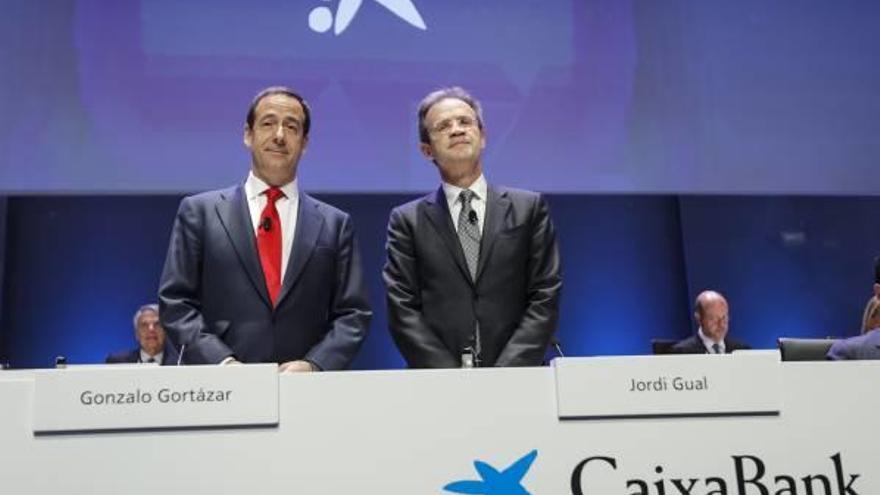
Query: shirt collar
708, 343
146, 357
480, 188
254, 186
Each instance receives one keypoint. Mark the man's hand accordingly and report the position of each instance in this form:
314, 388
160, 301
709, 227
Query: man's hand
298, 366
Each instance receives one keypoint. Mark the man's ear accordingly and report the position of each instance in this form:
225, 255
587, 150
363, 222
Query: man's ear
877, 290
248, 136
426, 150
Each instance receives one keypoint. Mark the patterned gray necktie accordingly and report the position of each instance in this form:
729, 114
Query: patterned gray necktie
717, 348
469, 232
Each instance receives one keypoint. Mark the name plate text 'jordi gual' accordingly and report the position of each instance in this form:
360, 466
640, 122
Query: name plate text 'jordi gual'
739, 384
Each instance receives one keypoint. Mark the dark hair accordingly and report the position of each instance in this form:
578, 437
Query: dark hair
441, 94
877, 270
280, 90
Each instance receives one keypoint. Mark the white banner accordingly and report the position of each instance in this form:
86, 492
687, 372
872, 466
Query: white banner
481, 431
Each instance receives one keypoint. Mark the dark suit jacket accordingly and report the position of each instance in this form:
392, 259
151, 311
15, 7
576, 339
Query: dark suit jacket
213, 297
434, 305
693, 345
865, 346
169, 356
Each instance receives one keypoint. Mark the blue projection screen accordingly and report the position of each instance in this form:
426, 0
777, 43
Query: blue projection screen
109, 96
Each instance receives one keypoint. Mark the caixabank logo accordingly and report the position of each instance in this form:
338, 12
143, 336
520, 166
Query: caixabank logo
322, 18
748, 475
495, 482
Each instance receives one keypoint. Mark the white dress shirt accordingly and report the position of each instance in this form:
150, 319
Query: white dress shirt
480, 189
287, 206
708, 343
145, 358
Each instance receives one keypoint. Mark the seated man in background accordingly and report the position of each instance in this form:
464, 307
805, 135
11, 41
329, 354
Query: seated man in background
711, 315
865, 346
152, 345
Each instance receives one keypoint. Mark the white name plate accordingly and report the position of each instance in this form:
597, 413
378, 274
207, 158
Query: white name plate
740, 384
130, 397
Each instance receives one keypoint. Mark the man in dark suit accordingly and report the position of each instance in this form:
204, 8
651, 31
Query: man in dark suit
712, 317
472, 273
153, 347
262, 272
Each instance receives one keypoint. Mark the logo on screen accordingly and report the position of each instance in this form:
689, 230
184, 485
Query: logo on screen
495, 482
321, 19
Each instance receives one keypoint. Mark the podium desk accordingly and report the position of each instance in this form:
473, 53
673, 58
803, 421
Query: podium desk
438, 431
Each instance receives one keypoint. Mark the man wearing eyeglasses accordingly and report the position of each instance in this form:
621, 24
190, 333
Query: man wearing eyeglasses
473, 271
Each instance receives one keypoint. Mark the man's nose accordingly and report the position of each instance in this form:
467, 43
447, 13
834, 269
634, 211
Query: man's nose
456, 130
279, 133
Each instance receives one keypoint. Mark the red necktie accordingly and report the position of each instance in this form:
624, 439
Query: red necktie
269, 243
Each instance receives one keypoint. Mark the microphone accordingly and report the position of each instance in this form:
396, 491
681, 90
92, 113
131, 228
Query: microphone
472, 217
266, 224
470, 354
180, 354
467, 357
557, 345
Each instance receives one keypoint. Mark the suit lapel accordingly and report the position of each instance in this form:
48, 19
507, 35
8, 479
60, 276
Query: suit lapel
438, 214
309, 224
235, 218
497, 205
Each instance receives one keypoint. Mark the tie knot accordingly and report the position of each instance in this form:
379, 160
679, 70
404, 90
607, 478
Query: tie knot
273, 193
466, 196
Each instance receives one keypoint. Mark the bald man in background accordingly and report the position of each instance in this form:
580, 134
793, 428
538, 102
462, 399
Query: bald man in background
711, 312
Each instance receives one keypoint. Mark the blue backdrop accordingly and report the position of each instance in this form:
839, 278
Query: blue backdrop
673, 96
685, 144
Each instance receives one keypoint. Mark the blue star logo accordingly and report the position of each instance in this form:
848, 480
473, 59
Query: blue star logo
494, 482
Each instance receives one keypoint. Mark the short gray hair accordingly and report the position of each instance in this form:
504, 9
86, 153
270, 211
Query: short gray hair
146, 308
435, 97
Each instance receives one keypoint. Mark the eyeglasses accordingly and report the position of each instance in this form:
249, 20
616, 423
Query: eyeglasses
446, 125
